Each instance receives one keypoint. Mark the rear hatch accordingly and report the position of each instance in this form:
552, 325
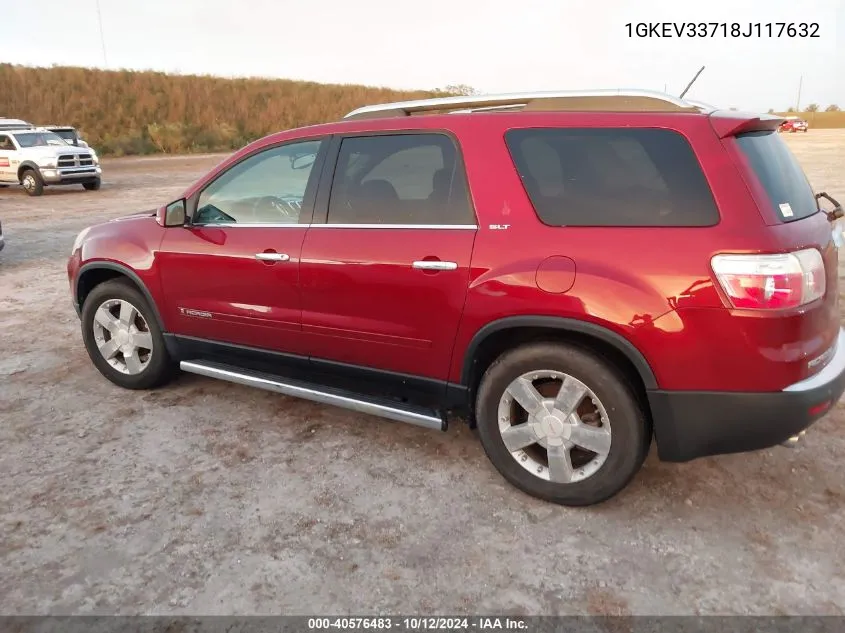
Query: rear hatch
805, 237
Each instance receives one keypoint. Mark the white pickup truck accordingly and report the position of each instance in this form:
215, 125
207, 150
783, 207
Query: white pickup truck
35, 157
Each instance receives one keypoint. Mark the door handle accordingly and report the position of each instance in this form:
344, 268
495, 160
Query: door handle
434, 265
272, 257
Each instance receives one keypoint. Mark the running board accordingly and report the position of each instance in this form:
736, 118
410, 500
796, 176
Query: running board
419, 416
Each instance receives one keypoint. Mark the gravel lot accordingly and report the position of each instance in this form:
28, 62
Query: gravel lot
210, 498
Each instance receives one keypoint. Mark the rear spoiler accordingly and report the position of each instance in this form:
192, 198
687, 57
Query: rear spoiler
731, 122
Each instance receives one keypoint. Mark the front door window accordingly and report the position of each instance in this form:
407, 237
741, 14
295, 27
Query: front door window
267, 188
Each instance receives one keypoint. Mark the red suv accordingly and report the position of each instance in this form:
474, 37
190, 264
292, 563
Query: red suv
793, 124
573, 273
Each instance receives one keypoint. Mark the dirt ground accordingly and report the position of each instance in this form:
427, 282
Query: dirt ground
209, 498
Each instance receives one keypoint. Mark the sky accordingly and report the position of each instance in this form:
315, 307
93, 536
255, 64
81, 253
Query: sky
492, 45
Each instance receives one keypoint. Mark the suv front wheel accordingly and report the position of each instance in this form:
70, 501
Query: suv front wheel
32, 182
560, 424
123, 338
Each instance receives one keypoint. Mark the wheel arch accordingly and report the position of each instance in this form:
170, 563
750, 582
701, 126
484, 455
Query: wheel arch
496, 337
93, 274
27, 164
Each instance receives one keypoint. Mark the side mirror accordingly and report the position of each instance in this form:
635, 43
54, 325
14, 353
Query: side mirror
175, 214
302, 161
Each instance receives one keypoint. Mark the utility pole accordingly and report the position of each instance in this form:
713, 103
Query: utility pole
798, 101
102, 38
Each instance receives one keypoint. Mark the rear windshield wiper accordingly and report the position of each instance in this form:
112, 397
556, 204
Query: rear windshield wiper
836, 212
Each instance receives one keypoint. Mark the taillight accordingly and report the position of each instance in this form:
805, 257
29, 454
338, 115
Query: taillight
771, 282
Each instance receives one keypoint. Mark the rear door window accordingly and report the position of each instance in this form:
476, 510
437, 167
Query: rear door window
612, 177
780, 174
407, 179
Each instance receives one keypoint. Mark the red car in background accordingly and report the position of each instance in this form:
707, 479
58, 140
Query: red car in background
794, 124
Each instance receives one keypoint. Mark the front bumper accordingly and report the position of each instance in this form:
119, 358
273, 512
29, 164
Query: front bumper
67, 175
692, 424
74, 262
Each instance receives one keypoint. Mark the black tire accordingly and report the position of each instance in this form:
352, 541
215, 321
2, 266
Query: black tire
93, 185
3, 186
160, 367
631, 433
32, 182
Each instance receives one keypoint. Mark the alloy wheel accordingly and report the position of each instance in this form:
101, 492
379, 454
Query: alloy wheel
123, 336
554, 426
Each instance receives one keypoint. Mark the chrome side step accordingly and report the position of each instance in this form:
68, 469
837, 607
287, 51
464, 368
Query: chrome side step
418, 416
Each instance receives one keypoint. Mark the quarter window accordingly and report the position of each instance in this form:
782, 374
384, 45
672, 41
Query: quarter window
612, 177
266, 188
6, 143
780, 174
399, 179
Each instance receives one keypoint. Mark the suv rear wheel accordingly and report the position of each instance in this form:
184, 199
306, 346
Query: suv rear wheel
560, 424
32, 183
123, 338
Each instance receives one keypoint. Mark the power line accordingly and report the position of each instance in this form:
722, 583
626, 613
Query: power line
102, 37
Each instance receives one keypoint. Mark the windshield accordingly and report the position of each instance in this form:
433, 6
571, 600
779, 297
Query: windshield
68, 135
780, 174
38, 139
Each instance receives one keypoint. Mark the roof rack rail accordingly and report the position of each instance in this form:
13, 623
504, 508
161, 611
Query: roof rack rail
610, 100
702, 105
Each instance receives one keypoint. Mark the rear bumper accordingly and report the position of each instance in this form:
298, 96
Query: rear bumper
692, 424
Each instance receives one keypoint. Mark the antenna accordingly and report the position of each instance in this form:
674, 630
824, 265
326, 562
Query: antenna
689, 85
102, 38
798, 100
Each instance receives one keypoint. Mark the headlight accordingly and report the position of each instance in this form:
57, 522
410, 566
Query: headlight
95, 157
50, 163
79, 239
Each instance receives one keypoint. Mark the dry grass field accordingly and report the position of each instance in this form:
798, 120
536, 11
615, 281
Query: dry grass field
820, 120
211, 498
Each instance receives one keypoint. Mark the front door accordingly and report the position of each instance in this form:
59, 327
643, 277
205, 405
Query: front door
8, 171
232, 274
385, 277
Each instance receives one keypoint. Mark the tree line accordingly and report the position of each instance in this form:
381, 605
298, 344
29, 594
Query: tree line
813, 107
141, 112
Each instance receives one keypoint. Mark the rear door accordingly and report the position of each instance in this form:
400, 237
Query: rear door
232, 275
384, 279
